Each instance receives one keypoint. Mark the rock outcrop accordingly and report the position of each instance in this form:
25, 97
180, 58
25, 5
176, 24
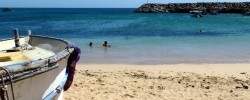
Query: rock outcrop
222, 7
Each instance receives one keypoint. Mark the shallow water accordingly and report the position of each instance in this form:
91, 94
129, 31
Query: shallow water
138, 38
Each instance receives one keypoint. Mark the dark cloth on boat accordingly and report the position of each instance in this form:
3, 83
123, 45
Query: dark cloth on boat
71, 64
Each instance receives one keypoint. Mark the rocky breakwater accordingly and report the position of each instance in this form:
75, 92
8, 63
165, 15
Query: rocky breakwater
221, 7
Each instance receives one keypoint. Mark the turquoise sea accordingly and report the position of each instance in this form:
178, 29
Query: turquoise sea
137, 38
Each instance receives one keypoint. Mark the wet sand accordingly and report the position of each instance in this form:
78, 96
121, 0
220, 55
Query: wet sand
160, 82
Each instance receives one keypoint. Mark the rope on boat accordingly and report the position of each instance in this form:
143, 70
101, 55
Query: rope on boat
3, 89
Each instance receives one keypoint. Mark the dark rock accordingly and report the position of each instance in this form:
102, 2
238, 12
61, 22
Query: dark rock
207, 87
245, 87
238, 87
209, 7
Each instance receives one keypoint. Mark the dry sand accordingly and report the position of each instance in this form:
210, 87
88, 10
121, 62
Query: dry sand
160, 82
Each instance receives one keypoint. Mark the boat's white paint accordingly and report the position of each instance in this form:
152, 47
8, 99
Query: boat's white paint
55, 83
37, 53
60, 97
10, 43
25, 55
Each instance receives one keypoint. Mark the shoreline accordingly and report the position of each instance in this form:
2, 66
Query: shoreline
169, 81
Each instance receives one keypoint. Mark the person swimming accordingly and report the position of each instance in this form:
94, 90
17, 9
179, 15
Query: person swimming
90, 44
105, 44
202, 31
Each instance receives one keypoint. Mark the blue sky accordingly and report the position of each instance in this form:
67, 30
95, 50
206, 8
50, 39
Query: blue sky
93, 3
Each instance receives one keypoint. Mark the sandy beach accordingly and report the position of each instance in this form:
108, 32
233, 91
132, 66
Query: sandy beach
160, 82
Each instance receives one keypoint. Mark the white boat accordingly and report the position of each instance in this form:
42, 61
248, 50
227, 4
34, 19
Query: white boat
247, 13
196, 13
36, 67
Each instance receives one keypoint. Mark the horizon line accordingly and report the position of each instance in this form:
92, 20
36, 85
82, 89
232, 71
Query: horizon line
126, 7
76, 7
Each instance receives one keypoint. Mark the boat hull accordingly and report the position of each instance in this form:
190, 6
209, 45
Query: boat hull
39, 86
40, 83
